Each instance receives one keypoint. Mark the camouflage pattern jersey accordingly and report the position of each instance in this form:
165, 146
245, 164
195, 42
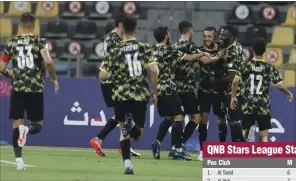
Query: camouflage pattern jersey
111, 39
234, 55
166, 58
129, 62
186, 71
27, 62
210, 71
257, 75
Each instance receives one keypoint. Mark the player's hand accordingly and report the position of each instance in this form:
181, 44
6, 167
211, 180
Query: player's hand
234, 103
10, 73
154, 97
290, 97
221, 53
56, 85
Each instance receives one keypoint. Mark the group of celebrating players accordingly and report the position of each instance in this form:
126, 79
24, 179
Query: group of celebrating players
236, 90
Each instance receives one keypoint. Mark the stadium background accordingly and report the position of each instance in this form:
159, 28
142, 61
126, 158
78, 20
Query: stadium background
75, 32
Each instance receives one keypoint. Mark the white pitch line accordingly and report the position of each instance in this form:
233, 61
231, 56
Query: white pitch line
13, 163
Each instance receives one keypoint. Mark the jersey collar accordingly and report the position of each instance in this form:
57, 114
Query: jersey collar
129, 40
231, 45
215, 48
258, 60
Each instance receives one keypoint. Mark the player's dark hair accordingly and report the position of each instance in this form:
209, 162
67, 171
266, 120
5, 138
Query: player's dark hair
129, 24
210, 29
184, 27
233, 31
259, 46
160, 33
27, 18
118, 19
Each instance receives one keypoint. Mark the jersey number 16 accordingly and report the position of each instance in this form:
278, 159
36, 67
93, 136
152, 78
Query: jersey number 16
25, 59
134, 65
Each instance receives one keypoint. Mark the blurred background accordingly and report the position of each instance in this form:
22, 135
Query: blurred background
75, 30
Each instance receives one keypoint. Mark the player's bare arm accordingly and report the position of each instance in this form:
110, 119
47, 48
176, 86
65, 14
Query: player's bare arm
154, 80
104, 75
3, 66
209, 59
285, 90
193, 57
50, 67
235, 84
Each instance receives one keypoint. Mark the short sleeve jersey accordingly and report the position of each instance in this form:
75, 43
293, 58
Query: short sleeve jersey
257, 76
210, 71
27, 62
185, 70
129, 62
111, 39
166, 58
233, 57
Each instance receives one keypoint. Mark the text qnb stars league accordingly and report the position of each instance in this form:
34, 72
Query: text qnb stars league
251, 150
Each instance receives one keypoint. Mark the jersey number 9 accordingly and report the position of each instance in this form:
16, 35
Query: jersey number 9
134, 65
25, 60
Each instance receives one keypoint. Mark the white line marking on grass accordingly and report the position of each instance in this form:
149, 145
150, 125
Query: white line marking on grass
13, 163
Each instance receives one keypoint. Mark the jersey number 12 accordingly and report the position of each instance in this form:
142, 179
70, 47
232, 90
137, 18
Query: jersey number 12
134, 65
25, 60
259, 78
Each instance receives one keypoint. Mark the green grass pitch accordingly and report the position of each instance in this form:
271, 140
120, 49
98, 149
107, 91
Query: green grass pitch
70, 164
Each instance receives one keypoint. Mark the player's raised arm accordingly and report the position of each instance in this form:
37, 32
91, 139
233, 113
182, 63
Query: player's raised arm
279, 83
105, 69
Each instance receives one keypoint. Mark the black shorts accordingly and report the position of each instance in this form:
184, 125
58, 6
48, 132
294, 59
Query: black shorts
169, 105
189, 102
29, 102
107, 94
136, 108
206, 100
263, 121
236, 114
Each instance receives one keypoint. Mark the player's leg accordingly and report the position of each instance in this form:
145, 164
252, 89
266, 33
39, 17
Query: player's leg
177, 132
191, 108
125, 118
97, 142
16, 113
234, 122
264, 124
220, 103
165, 106
248, 120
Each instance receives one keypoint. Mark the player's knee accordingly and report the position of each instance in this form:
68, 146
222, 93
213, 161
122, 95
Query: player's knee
179, 118
136, 133
196, 118
204, 119
35, 128
221, 121
263, 133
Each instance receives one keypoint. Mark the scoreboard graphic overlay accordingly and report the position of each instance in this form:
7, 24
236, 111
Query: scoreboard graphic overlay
249, 161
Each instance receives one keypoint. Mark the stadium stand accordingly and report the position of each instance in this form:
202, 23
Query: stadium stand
5, 28
278, 40
47, 9
1, 7
274, 56
290, 78
290, 17
87, 23
73, 9
16, 8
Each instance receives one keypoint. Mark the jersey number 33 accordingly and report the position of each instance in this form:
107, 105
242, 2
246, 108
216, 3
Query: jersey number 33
25, 57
